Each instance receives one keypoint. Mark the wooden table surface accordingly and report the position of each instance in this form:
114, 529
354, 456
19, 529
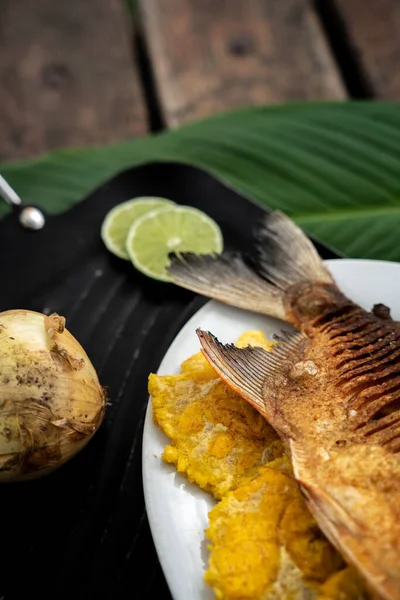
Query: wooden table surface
85, 73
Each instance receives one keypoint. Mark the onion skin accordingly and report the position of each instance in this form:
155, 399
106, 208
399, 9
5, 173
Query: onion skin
51, 401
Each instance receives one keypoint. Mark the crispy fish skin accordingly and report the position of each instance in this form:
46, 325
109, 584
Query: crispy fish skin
331, 391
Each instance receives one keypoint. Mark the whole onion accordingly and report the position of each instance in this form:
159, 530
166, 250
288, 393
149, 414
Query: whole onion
51, 402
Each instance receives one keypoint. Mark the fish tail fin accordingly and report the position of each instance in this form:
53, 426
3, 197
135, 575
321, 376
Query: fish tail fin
283, 256
227, 278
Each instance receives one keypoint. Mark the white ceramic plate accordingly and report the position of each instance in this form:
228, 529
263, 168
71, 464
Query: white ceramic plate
178, 510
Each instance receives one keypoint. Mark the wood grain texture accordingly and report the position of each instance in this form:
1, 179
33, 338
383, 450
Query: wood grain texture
67, 76
213, 55
373, 27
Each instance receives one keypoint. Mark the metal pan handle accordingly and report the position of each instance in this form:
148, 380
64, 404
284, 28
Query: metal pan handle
30, 217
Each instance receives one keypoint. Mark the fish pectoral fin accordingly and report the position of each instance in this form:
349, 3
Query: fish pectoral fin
337, 519
358, 513
361, 548
227, 278
252, 371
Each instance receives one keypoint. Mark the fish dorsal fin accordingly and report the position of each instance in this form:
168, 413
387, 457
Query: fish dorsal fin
249, 370
227, 278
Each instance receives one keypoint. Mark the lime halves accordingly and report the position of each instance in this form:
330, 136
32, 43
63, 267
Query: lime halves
162, 231
118, 221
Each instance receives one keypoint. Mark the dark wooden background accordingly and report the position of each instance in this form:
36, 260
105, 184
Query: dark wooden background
90, 72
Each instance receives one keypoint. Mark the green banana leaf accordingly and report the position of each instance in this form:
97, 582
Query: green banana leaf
333, 167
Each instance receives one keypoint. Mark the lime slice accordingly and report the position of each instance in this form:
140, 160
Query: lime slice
116, 225
174, 229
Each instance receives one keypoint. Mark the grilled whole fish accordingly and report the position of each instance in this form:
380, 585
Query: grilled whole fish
331, 389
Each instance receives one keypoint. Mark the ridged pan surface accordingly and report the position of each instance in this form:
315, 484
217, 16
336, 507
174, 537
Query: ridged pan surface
82, 532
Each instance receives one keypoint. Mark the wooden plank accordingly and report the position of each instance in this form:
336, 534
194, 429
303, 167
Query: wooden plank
373, 27
209, 56
67, 76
